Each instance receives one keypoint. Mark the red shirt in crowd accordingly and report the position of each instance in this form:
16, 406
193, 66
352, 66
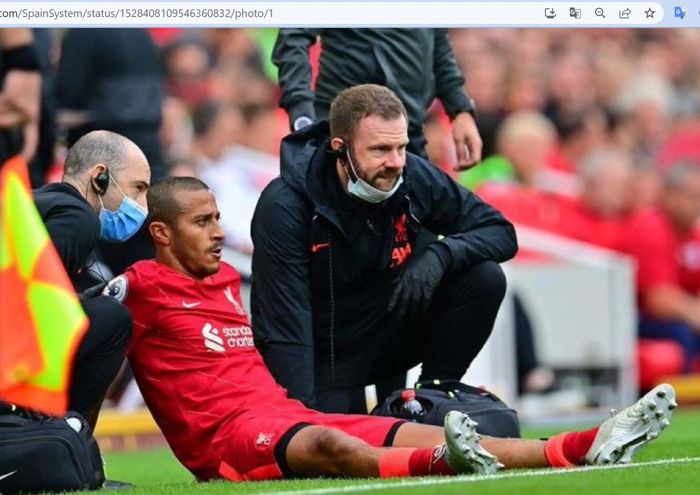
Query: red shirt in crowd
586, 225
664, 256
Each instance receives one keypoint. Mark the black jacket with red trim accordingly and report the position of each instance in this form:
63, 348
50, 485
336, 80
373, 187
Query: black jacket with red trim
325, 265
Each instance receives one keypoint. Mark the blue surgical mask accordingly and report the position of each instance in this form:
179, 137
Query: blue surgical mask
366, 191
122, 224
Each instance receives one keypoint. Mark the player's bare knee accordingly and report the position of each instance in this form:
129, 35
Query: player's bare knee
334, 446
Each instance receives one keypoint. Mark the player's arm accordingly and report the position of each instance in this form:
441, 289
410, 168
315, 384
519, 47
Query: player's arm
130, 289
281, 305
291, 56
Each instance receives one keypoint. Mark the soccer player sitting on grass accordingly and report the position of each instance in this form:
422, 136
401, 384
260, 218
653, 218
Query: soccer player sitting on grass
225, 417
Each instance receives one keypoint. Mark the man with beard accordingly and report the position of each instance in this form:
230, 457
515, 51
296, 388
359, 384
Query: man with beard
339, 298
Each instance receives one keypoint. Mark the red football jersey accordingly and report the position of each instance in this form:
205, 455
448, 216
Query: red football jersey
193, 356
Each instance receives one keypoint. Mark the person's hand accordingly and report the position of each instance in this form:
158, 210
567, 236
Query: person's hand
414, 291
91, 292
467, 140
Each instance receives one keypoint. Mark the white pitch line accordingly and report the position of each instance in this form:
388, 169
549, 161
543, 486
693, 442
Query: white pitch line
430, 481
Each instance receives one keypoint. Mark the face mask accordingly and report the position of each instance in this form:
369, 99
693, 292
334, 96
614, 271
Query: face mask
367, 192
122, 224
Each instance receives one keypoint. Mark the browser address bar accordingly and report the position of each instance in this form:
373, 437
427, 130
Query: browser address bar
328, 14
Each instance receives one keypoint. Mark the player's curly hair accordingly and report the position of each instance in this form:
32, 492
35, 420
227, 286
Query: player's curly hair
162, 197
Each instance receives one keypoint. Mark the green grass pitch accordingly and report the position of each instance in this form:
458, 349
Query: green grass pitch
670, 465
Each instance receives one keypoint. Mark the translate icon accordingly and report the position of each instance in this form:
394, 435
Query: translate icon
625, 14
550, 13
679, 12
575, 13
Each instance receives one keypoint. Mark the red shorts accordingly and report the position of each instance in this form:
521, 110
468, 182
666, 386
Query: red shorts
257, 441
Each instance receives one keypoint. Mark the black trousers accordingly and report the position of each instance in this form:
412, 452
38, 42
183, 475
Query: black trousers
100, 354
446, 340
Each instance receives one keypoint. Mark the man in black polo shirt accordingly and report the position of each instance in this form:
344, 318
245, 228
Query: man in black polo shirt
102, 196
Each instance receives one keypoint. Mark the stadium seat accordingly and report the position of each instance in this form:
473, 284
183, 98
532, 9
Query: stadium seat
657, 359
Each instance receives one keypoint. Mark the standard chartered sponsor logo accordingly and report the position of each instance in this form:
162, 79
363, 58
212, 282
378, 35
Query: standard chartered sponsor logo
212, 341
241, 336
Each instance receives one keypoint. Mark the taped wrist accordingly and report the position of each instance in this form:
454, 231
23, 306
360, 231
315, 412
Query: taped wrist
20, 58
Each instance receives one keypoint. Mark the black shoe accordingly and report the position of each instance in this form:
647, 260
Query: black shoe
117, 485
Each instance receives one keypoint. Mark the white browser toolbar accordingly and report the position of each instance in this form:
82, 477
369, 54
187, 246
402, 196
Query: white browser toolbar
329, 14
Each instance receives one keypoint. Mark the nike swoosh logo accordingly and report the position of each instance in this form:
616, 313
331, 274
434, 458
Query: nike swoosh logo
7, 475
190, 305
318, 247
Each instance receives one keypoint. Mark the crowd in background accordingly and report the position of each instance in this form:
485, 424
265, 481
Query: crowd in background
580, 127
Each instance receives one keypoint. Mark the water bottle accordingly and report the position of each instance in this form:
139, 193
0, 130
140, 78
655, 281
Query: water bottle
411, 409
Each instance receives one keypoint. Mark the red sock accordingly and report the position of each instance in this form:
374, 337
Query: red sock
430, 461
403, 462
569, 449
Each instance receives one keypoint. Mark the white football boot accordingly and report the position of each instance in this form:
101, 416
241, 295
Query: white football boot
464, 452
620, 437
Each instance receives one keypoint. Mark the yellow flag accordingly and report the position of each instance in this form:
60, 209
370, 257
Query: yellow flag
41, 320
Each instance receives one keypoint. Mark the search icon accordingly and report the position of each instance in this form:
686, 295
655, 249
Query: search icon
600, 12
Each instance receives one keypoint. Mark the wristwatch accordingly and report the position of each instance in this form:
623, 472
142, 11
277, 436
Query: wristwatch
302, 122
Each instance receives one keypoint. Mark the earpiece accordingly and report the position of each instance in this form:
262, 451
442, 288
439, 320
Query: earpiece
101, 182
341, 153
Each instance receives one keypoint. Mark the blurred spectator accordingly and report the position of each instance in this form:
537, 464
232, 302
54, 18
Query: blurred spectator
683, 145
571, 89
579, 134
525, 142
235, 47
262, 130
598, 215
187, 64
216, 128
526, 89
417, 64
237, 173
20, 80
644, 106
175, 132
665, 243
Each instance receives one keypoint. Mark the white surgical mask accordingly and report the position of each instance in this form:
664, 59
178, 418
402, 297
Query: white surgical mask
365, 191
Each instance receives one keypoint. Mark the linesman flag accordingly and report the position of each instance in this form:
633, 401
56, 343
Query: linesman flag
41, 320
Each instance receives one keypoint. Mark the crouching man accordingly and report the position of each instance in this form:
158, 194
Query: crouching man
225, 417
